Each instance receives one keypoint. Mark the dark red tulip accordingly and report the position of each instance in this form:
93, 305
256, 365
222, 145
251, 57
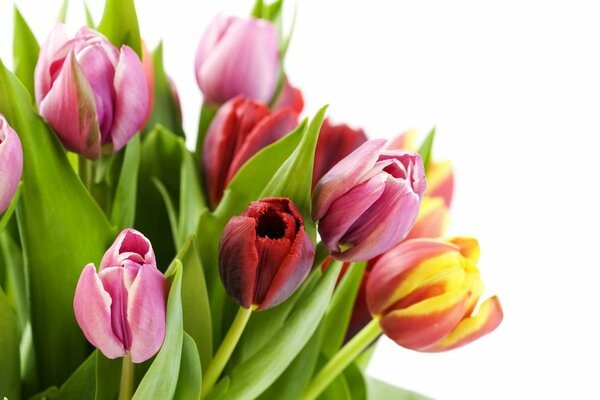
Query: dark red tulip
335, 143
265, 253
289, 97
240, 129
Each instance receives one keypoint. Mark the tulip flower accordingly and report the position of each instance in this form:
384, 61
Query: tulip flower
121, 308
11, 163
368, 202
94, 95
240, 129
289, 97
424, 292
265, 254
432, 220
335, 142
148, 65
238, 56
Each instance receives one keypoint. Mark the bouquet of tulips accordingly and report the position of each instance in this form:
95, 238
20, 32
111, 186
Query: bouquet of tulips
264, 264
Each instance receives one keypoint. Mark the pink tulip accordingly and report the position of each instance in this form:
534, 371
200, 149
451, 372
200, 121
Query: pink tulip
122, 308
335, 142
94, 95
238, 56
11, 163
265, 254
289, 97
368, 202
239, 130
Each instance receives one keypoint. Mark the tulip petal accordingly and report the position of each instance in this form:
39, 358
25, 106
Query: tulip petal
398, 206
11, 163
268, 130
92, 306
146, 313
238, 259
385, 274
129, 245
432, 220
347, 209
113, 280
487, 319
405, 140
426, 323
70, 108
131, 102
440, 180
289, 97
215, 30
51, 58
292, 271
346, 174
468, 247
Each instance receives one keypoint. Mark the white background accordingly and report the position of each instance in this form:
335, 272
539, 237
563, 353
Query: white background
514, 90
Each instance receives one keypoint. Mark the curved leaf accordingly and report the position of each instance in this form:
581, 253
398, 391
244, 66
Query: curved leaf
120, 24
10, 379
190, 374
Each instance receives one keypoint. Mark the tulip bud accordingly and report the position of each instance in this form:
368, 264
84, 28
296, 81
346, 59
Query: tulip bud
368, 202
94, 95
265, 254
239, 130
122, 308
289, 97
335, 142
11, 163
424, 292
238, 56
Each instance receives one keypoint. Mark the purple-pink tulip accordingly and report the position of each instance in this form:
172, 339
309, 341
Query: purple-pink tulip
94, 95
368, 202
11, 163
265, 254
238, 56
122, 308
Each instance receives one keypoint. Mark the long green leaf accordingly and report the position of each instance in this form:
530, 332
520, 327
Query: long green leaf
160, 382
379, 390
10, 380
425, 149
120, 24
62, 230
25, 51
123, 207
5, 217
15, 283
62, 13
89, 20
190, 374
255, 375
191, 199
108, 376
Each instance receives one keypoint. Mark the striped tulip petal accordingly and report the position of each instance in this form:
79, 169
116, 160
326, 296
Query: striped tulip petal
432, 220
440, 179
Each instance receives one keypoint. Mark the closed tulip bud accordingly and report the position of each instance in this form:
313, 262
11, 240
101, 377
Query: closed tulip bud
11, 163
432, 220
289, 97
425, 291
265, 254
122, 308
94, 95
368, 202
335, 142
238, 56
239, 130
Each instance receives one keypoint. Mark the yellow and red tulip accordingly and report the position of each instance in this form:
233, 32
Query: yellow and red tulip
424, 291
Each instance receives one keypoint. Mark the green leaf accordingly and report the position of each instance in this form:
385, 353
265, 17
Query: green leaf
293, 179
190, 374
89, 20
425, 149
379, 390
25, 51
164, 193
108, 377
160, 382
123, 207
207, 113
10, 379
191, 199
15, 285
4, 218
62, 14
356, 382
337, 318
80, 385
55, 212
120, 24
166, 110
256, 374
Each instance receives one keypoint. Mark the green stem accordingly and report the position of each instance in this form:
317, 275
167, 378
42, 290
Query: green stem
342, 359
225, 350
86, 172
127, 375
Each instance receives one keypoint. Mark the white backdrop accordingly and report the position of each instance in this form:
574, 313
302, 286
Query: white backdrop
514, 90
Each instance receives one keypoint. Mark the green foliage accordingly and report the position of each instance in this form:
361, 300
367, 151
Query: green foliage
120, 24
425, 149
10, 382
25, 51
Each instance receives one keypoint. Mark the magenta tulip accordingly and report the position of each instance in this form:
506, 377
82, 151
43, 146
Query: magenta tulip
238, 56
11, 163
239, 130
265, 254
122, 308
94, 95
368, 202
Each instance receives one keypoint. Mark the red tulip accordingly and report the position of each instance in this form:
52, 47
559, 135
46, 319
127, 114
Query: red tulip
265, 254
240, 129
289, 97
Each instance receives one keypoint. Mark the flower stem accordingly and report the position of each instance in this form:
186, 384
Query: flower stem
342, 359
127, 374
86, 172
225, 350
